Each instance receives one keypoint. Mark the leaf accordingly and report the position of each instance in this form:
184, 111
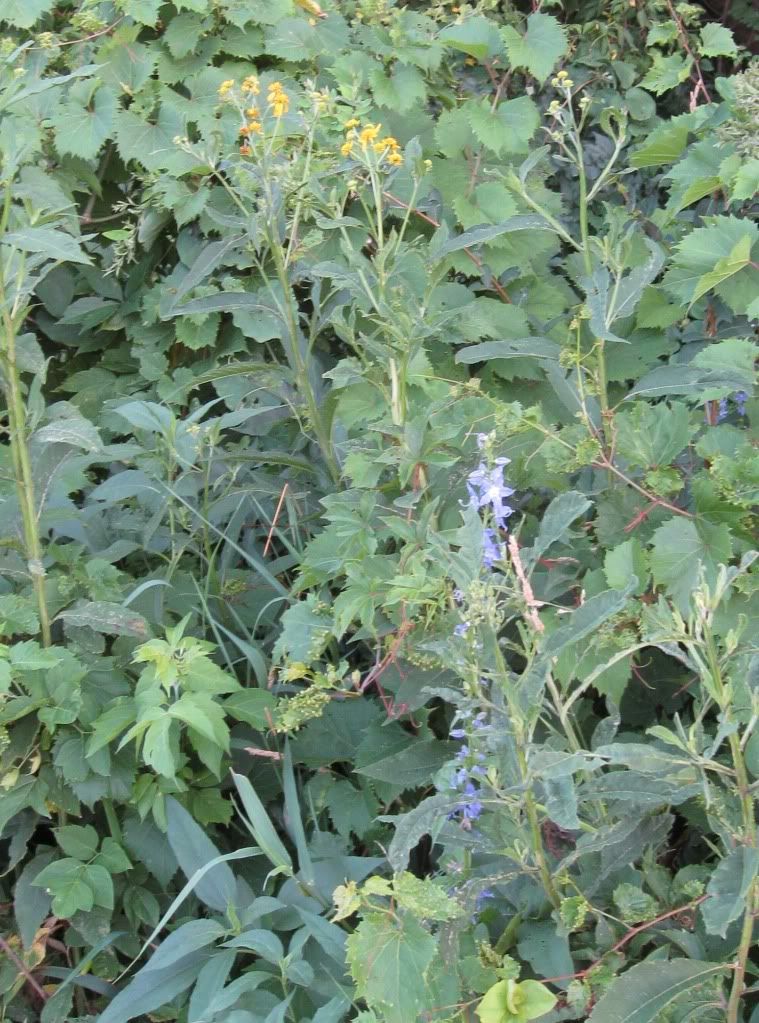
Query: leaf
682, 548
208, 259
531, 347
82, 124
476, 36
423, 819
641, 994
264, 943
193, 849
52, 244
408, 766
717, 41
740, 257
31, 904
388, 960
586, 619
666, 73
260, 826
702, 250
484, 233
253, 706
555, 523
201, 712
151, 989
24, 13
106, 617
293, 819
540, 49
76, 841
691, 381
189, 937
728, 888
510, 1002
66, 880
507, 129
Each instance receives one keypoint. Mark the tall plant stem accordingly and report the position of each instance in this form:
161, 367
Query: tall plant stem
602, 379
19, 444
749, 835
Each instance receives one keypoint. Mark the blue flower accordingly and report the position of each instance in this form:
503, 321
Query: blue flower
482, 897
461, 629
740, 400
472, 810
458, 733
722, 410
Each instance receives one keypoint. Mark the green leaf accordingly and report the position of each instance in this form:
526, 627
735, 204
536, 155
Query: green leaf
79, 842
539, 50
253, 706
510, 1002
666, 73
702, 250
624, 561
52, 244
113, 857
507, 129
106, 617
728, 888
407, 766
641, 994
476, 36
651, 436
388, 960
201, 712
189, 937
665, 144
483, 233
586, 619
24, 13
82, 124
682, 548
193, 850
740, 257
531, 347
422, 819
99, 880
555, 523
717, 41
260, 826
111, 724
66, 880
151, 989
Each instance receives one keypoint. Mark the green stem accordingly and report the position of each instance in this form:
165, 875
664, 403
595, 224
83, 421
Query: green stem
749, 834
22, 466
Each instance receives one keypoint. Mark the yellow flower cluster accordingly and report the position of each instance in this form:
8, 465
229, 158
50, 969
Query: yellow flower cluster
226, 88
278, 99
562, 81
387, 147
251, 85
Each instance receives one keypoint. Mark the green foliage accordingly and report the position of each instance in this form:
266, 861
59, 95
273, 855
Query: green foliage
285, 292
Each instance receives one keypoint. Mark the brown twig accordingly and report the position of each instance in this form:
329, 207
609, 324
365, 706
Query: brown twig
496, 284
529, 597
700, 85
627, 937
604, 463
84, 39
24, 969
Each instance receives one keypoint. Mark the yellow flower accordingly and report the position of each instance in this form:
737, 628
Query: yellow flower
281, 105
255, 128
346, 148
253, 112
226, 87
353, 123
369, 134
251, 85
386, 143
395, 159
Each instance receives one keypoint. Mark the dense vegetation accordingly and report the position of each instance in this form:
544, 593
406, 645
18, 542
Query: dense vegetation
379, 486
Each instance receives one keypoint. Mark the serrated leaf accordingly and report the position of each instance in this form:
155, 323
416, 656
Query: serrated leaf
717, 40
531, 347
586, 619
740, 257
683, 548
388, 960
540, 48
476, 36
83, 125
509, 128
483, 233
666, 73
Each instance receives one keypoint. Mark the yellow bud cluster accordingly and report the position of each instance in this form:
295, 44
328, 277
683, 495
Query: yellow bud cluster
251, 85
226, 88
278, 99
562, 81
